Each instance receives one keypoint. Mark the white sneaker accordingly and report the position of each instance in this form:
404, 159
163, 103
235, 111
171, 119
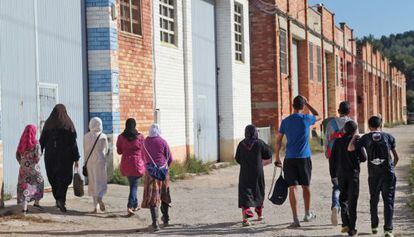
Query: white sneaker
334, 216
309, 217
388, 234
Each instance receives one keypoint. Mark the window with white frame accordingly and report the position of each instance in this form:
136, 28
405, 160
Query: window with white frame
131, 16
311, 63
319, 62
167, 21
283, 51
238, 32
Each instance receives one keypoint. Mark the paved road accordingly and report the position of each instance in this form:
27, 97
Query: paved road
207, 206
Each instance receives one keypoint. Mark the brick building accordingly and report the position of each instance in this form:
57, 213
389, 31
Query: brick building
202, 69
300, 49
189, 74
380, 88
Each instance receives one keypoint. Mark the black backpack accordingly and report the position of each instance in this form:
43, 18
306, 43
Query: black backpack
379, 156
280, 189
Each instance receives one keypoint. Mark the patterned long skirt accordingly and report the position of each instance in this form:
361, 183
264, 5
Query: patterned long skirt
155, 192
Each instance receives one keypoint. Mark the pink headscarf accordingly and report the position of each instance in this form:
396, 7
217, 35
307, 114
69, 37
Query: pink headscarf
28, 139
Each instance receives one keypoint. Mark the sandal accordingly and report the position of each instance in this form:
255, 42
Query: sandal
246, 222
38, 206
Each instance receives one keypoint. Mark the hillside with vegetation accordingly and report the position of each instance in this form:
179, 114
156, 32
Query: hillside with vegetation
399, 48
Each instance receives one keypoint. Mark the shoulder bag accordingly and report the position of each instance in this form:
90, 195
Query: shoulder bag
158, 173
84, 168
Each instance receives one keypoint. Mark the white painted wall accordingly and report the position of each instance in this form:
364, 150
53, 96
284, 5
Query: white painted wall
234, 77
170, 76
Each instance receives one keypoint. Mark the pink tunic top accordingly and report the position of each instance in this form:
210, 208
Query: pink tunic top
132, 161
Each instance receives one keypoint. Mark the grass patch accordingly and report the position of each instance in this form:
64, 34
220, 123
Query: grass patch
191, 165
7, 196
177, 171
117, 178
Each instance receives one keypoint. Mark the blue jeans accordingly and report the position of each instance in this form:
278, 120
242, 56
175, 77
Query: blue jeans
335, 195
133, 190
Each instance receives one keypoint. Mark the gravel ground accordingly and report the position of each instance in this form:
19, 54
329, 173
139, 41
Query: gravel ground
207, 206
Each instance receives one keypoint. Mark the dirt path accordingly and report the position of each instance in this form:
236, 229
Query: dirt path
207, 206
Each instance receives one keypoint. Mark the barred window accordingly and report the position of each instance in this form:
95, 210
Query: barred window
319, 62
311, 61
283, 51
238, 32
131, 16
167, 21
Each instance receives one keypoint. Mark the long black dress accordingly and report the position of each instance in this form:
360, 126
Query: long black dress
61, 151
251, 178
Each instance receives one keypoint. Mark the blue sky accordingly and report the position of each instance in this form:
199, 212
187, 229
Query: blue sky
377, 17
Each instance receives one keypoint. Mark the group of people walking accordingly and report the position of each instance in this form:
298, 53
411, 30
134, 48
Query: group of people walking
57, 142
150, 158
345, 150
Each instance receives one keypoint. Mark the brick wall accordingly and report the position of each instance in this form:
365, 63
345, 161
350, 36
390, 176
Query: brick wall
136, 72
298, 9
361, 75
264, 69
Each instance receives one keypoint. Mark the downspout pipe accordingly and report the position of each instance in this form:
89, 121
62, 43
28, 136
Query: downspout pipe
154, 69
217, 78
186, 78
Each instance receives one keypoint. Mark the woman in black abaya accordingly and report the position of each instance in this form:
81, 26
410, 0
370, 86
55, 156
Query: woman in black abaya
250, 155
58, 141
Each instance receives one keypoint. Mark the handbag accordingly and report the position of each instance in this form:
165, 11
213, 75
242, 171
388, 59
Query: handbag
84, 168
78, 185
158, 173
280, 189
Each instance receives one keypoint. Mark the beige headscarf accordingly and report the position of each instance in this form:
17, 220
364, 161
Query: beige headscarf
95, 125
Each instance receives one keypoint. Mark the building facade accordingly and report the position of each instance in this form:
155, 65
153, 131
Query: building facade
300, 49
202, 69
190, 74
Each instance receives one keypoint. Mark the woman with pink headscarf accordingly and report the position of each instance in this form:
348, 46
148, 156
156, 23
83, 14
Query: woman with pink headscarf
30, 182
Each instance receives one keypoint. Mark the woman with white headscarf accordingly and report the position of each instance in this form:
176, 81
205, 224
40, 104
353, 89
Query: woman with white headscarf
96, 148
157, 192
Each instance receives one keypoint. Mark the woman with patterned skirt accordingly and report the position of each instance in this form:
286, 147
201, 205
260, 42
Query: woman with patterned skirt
157, 192
30, 181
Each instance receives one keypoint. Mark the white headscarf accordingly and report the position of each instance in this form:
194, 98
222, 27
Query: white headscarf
95, 125
155, 130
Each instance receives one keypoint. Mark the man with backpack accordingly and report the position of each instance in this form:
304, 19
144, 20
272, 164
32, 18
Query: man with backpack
334, 130
381, 177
